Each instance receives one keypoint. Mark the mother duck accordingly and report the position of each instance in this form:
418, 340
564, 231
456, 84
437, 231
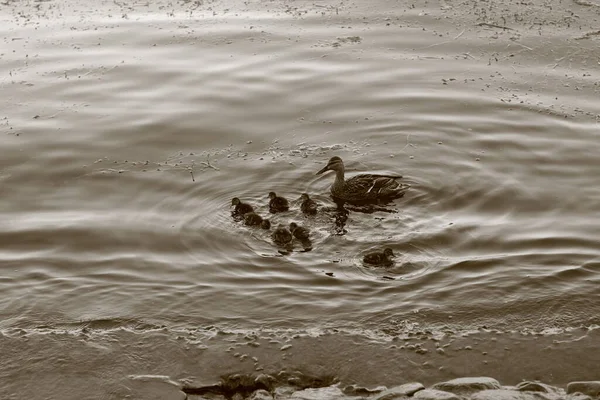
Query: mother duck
364, 187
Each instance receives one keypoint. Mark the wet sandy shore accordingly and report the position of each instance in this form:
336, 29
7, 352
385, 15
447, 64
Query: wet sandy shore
91, 364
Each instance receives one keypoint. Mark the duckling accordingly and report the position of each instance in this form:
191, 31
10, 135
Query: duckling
299, 232
381, 259
282, 235
241, 208
265, 224
277, 204
252, 218
308, 206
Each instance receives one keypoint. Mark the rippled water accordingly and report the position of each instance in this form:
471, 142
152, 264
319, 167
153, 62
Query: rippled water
124, 139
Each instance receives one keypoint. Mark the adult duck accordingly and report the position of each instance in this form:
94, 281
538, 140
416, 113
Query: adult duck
380, 259
364, 187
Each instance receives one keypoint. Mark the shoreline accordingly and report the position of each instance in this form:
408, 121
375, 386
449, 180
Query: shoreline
298, 386
119, 362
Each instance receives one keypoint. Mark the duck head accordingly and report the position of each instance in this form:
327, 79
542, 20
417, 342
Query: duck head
304, 197
281, 227
334, 164
388, 252
265, 224
293, 226
235, 201
272, 195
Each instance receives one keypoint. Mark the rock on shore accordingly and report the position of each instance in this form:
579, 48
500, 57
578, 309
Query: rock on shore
591, 388
273, 388
465, 386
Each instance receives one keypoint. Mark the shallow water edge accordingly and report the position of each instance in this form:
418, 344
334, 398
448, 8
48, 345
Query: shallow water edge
99, 363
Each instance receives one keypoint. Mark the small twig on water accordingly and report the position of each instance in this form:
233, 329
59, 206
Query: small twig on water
562, 58
459, 35
494, 26
435, 44
588, 35
585, 3
208, 164
54, 115
192, 173
407, 142
527, 47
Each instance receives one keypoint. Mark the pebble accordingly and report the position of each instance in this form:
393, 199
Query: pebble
464, 386
590, 388
287, 346
433, 394
330, 392
502, 394
408, 389
261, 395
535, 387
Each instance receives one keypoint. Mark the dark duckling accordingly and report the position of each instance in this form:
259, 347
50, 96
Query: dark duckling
253, 219
382, 259
241, 208
282, 235
308, 206
299, 232
277, 204
265, 224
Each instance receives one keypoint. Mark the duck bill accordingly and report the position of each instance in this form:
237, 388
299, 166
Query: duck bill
325, 168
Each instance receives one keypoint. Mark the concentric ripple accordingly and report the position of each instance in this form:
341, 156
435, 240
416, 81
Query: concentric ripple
119, 173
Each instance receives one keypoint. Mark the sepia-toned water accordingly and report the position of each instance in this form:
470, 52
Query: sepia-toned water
126, 130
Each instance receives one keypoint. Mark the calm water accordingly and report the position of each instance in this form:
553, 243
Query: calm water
124, 139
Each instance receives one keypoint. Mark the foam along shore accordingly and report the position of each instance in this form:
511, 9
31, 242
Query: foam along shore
285, 386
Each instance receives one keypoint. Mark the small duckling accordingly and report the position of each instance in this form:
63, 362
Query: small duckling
252, 218
308, 206
381, 259
277, 204
299, 232
265, 224
241, 208
282, 235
